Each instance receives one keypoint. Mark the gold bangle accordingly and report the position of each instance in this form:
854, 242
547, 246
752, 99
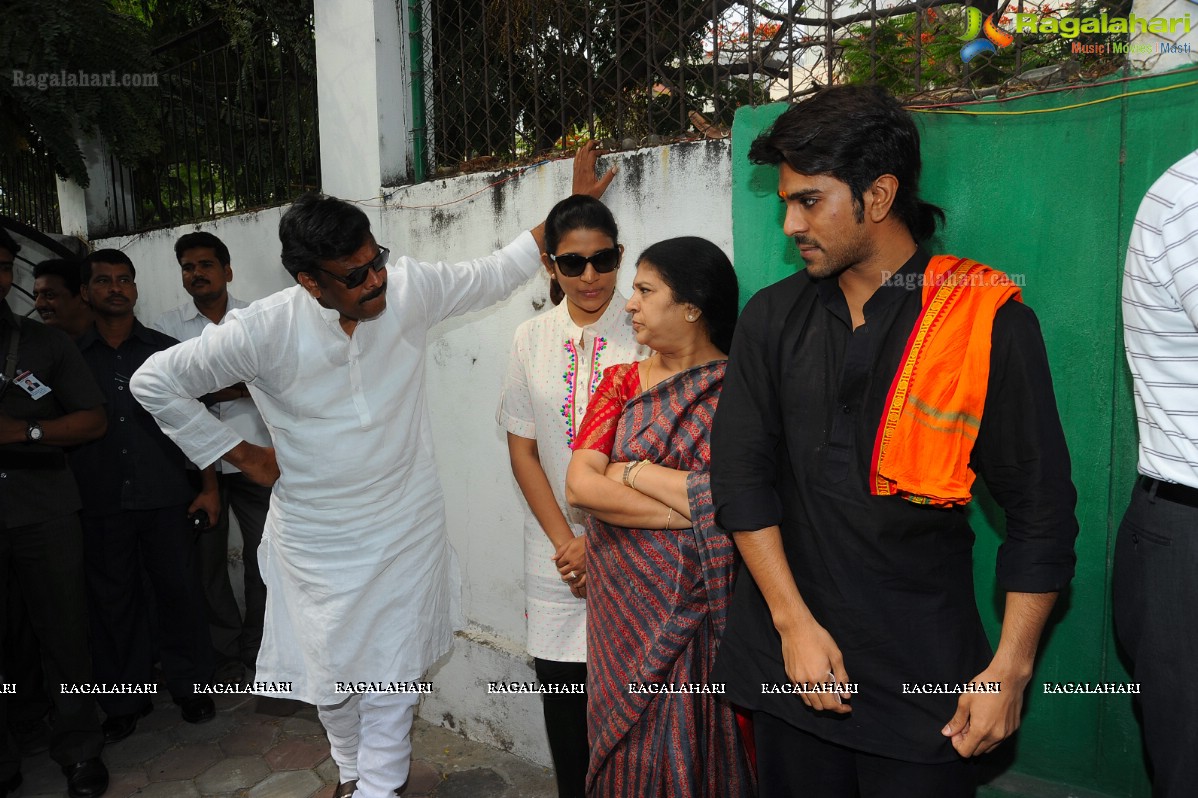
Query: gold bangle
627, 469
636, 471
669, 518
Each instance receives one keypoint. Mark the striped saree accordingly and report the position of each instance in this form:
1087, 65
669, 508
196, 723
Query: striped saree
656, 604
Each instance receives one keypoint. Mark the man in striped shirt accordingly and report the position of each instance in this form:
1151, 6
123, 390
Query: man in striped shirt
1156, 556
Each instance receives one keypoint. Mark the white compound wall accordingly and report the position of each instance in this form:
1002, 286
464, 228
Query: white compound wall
680, 189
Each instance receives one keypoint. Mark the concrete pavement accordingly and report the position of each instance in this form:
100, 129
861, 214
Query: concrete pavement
265, 748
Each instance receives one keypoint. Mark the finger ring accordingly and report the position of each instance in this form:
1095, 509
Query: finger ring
572, 576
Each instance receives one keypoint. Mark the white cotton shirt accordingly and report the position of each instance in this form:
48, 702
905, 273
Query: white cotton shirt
186, 322
1160, 324
554, 367
362, 584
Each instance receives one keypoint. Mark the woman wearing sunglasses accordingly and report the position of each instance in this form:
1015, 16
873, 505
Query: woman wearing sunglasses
660, 570
556, 362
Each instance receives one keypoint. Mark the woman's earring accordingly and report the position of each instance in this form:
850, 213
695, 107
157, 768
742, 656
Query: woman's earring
691, 317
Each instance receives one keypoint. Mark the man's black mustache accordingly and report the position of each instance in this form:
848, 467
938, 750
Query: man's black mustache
375, 294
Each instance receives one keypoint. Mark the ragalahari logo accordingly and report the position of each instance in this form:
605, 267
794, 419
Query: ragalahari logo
993, 38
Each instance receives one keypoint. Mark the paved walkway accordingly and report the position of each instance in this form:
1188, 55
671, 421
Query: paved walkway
262, 748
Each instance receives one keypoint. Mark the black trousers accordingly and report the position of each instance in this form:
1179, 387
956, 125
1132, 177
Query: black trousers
232, 637
566, 724
22, 662
1155, 594
46, 561
120, 549
791, 762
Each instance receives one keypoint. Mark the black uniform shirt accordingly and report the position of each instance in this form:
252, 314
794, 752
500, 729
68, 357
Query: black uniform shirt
134, 466
890, 580
35, 484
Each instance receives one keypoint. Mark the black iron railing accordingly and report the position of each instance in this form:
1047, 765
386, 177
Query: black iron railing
508, 79
29, 190
239, 131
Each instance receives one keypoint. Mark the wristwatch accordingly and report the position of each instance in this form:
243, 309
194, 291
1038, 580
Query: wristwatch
34, 433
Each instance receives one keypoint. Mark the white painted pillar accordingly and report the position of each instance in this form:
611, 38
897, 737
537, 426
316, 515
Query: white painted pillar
1170, 50
364, 94
95, 211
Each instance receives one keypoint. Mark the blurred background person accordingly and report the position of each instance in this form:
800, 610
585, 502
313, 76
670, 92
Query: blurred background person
206, 270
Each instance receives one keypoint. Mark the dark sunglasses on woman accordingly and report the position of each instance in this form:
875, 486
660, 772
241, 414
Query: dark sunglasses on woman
572, 265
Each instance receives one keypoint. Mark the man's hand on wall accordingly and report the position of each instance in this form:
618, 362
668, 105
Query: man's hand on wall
585, 181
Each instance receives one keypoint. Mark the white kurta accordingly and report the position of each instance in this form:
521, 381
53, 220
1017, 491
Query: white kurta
554, 368
186, 322
358, 568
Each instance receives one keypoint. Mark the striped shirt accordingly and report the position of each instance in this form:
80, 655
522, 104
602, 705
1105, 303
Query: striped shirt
1160, 324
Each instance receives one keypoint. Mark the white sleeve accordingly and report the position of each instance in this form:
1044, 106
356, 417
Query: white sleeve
515, 412
164, 325
450, 289
1179, 242
165, 384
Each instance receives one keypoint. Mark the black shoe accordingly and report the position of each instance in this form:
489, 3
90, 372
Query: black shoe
86, 779
11, 784
196, 708
118, 727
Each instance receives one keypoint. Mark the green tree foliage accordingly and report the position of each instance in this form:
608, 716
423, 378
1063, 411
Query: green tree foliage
237, 107
50, 43
227, 123
912, 53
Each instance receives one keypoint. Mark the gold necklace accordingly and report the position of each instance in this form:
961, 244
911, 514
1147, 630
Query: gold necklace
649, 372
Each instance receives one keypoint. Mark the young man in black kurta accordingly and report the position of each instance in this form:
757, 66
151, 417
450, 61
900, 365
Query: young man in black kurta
840, 585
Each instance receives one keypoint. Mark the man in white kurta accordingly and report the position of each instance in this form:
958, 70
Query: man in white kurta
355, 556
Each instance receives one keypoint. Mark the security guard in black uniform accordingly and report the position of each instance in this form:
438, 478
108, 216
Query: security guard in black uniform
49, 400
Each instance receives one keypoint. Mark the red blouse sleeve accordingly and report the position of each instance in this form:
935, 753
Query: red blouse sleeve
598, 430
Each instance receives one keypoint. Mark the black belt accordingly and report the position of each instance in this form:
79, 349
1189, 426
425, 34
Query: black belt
15, 461
1170, 491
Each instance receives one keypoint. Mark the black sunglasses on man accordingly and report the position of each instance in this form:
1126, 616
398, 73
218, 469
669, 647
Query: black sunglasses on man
356, 276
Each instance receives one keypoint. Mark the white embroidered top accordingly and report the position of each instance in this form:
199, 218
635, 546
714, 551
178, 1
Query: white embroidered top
554, 367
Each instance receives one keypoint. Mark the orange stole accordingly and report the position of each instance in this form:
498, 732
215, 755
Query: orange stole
934, 408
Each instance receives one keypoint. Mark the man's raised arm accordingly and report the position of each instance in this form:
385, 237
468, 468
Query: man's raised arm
450, 289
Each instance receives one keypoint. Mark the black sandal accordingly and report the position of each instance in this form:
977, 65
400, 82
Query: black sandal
346, 789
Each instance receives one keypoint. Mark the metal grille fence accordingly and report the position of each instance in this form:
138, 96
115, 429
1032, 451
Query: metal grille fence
29, 190
239, 131
506, 80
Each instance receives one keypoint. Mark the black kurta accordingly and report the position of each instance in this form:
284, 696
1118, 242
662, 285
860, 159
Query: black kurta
890, 580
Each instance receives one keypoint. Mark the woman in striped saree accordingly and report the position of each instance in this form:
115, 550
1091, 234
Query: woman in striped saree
659, 573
